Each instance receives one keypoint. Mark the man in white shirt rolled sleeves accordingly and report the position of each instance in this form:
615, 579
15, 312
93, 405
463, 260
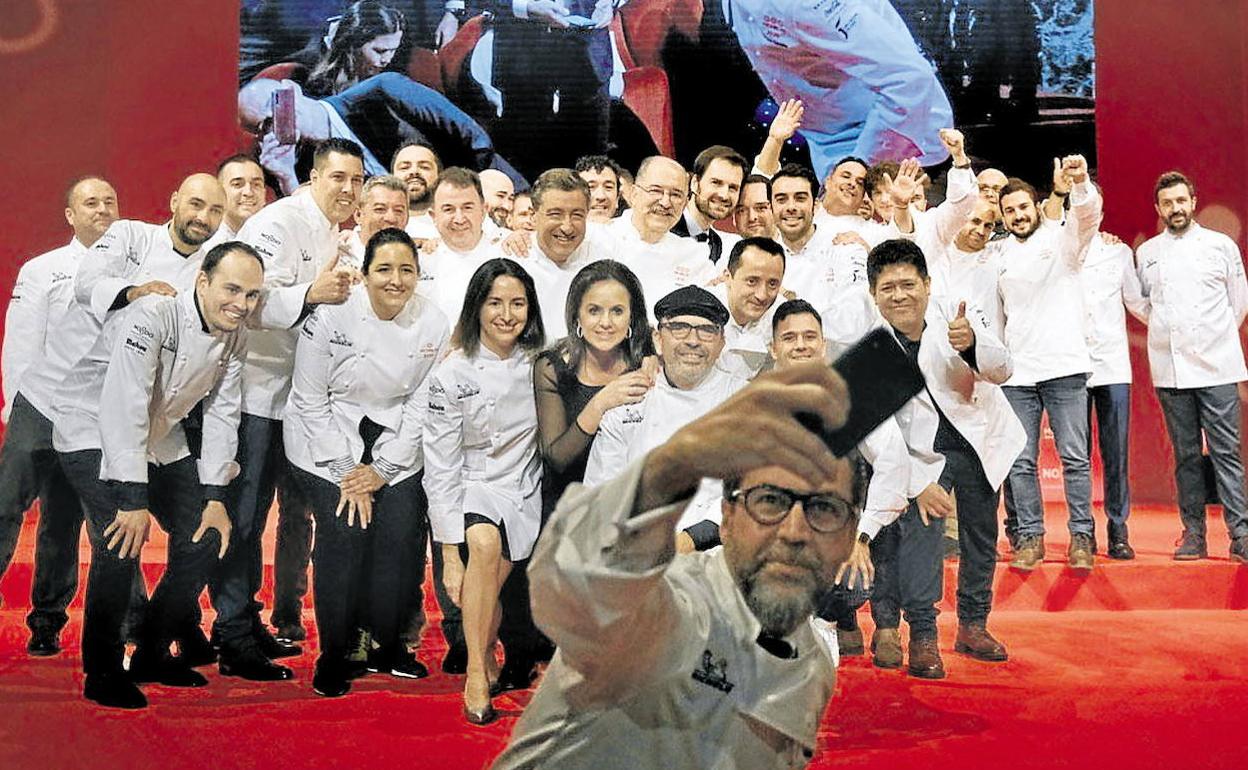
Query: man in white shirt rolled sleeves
1042, 302
714, 190
242, 178
297, 237
1108, 278
122, 438
1194, 299
42, 295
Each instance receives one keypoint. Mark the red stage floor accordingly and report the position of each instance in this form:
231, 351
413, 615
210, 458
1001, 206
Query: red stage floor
1138, 665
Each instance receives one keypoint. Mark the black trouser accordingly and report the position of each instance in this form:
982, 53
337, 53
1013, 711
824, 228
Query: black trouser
1211, 412
235, 582
358, 574
452, 615
909, 562
840, 605
176, 501
29, 467
517, 631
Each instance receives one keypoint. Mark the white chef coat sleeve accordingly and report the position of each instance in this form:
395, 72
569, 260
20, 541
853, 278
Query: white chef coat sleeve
1136, 290
222, 411
25, 328
282, 305
609, 451
443, 445
1085, 211
402, 449
1236, 286
107, 270
309, 390
952, 213
602, 591
127, 389
885, 449
992, 358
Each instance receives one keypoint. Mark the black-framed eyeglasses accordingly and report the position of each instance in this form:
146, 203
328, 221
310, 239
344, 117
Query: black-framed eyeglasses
680, 330
769, 504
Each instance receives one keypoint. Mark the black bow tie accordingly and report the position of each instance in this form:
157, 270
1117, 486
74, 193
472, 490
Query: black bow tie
717, 243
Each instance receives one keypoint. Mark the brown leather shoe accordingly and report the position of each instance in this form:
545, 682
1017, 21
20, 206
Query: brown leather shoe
974, 640
886, 648
1082, 552
925, 661
850, 642
1029, 554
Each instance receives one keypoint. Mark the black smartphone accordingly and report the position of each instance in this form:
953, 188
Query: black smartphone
881, 378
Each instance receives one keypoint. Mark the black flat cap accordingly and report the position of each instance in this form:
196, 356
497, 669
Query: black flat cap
691, 300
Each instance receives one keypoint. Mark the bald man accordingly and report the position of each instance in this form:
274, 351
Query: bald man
500, 195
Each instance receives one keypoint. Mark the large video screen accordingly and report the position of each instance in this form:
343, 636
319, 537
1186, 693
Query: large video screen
543, 82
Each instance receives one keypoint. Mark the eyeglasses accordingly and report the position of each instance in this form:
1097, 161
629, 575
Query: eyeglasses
663, 192
680, 330
769, 505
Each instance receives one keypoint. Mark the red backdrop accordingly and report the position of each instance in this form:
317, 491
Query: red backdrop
142, 93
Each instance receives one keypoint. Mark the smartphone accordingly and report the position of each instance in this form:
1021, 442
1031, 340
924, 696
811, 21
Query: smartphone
284, 116
881, 378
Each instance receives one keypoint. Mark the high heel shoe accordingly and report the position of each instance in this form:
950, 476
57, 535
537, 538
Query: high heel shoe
482, 717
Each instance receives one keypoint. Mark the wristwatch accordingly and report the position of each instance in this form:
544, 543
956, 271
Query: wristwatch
864, 538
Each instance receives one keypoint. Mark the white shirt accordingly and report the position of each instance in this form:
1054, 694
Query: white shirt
421, 226
552, 281
350, 364
480, 447
874, 233
224, 233
145, 373
1194, 301
1041, 297
820, 270
129, 254
295, 239
1107, 277
445, 274
661, 267
969, 276
866, 87
42, 295
747, 347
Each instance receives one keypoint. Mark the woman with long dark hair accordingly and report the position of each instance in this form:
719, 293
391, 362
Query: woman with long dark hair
362, 43
482, 468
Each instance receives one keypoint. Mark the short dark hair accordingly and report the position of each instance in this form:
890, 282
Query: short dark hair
849, 159
759, 242
239, 157
597, 163
717, 152
639, 342
897, 251
561, 179
437, 162
1013, 185
336, 144
222, 250
467, 336
796, 171
876, 173
73, 185
1170, 179
387, 236
792, 307
758, 179
458, 176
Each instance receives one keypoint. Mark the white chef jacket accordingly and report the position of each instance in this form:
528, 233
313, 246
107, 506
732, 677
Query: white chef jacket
350, 364
874, 233
444, 274
661, 267
1041, 297
1194, 299
628, 431
971, 399
966, 275
130, 253
421, 226
1107, 277
145, 373
552, 281
821, 269
42, 295
658, 664
295, 239
224, 233
747, 348
867, 89
480, 444
941, 223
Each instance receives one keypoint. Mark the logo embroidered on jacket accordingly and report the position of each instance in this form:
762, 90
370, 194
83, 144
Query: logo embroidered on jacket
428, 350
58, 276
138, 346
714, 673
465, 390
338, 338
632, 416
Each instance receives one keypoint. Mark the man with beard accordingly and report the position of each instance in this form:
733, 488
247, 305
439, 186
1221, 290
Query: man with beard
243, 181
753, 216
605, 179
643, 240
42, 296
1042, 303
715, 189
720, 639
418, 166
499, 193
1195, 298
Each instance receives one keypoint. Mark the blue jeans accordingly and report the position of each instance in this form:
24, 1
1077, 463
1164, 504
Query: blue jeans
1065, 399
1113, 416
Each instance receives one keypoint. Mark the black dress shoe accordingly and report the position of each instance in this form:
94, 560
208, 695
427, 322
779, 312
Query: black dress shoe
252, 665
44, 642
194, 649
402, 664
331, 680
1121, 550
114, 690
160, 666
517, 674
273, 649
456, 660
291, 632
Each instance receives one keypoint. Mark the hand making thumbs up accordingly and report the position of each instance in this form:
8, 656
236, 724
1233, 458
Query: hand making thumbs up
331, 285
961, 335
